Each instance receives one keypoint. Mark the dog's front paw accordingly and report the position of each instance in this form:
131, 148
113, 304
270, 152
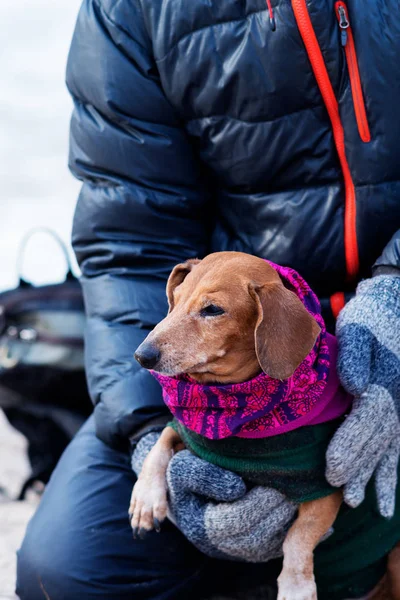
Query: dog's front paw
148, 507
294, 586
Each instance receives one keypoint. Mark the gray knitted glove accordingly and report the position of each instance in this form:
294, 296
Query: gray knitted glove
368, 442
233, 525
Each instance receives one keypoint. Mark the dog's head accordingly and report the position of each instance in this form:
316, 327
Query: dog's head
230, 316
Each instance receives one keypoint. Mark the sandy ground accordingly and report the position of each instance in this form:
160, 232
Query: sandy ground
14, 516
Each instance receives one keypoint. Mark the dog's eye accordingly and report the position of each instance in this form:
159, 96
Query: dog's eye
211, 311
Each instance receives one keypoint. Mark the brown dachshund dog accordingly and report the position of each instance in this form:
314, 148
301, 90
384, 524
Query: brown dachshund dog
250, 305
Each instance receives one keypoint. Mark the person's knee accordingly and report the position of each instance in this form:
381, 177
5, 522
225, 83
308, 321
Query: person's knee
79, 543
30, 571
55, 563
44, 570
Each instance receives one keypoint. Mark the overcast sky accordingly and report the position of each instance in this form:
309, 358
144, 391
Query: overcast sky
36, 188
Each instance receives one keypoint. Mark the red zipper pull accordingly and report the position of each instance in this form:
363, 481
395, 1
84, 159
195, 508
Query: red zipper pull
271, 15
344, 23
347, 38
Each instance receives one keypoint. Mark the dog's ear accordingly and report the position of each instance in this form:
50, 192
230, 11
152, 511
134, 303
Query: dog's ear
285, 331
177, 276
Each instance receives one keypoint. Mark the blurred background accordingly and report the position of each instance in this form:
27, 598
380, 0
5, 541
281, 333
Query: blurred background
36, 187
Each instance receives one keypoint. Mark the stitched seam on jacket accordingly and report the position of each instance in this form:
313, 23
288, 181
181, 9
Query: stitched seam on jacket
376, 183
131, 59
119, 27
124, 120
329, 184
255, 122
220, 24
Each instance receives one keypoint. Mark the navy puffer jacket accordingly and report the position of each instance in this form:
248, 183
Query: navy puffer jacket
203, 125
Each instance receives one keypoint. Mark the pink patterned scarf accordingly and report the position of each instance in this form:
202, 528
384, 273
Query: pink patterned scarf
262, 407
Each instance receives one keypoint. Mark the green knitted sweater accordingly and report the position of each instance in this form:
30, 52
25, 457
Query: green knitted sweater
293, 463
353, 559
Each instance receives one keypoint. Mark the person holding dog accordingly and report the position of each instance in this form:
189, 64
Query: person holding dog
199, 126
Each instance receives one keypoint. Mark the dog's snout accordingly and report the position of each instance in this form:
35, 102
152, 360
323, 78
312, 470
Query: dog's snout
147, 355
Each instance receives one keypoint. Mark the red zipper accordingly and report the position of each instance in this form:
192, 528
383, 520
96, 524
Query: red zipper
352, 64
338, 301
321, 74
271, 15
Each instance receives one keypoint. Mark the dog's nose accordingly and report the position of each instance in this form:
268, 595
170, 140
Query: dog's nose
147, 355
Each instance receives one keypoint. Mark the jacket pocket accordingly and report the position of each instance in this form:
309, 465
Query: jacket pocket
347, 40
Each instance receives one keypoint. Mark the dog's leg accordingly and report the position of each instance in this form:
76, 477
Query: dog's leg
389, 586
381, 591
148, 507
393, 573
296, 581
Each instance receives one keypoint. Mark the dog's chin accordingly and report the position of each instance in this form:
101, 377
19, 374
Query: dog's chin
209, 377
205, 377
197, 372
172, 371
207, 374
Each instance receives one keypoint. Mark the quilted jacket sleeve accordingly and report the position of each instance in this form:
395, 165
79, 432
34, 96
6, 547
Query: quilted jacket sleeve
140, 210
390, 259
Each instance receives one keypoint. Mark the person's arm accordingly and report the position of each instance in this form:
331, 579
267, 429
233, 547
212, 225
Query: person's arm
141, 208
389, 262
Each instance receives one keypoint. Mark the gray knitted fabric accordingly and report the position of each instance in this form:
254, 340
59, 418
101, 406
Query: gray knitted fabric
368, 442
142, 449
212, 509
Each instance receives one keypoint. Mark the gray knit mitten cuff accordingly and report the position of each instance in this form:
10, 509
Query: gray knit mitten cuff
368, 442
141, 450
